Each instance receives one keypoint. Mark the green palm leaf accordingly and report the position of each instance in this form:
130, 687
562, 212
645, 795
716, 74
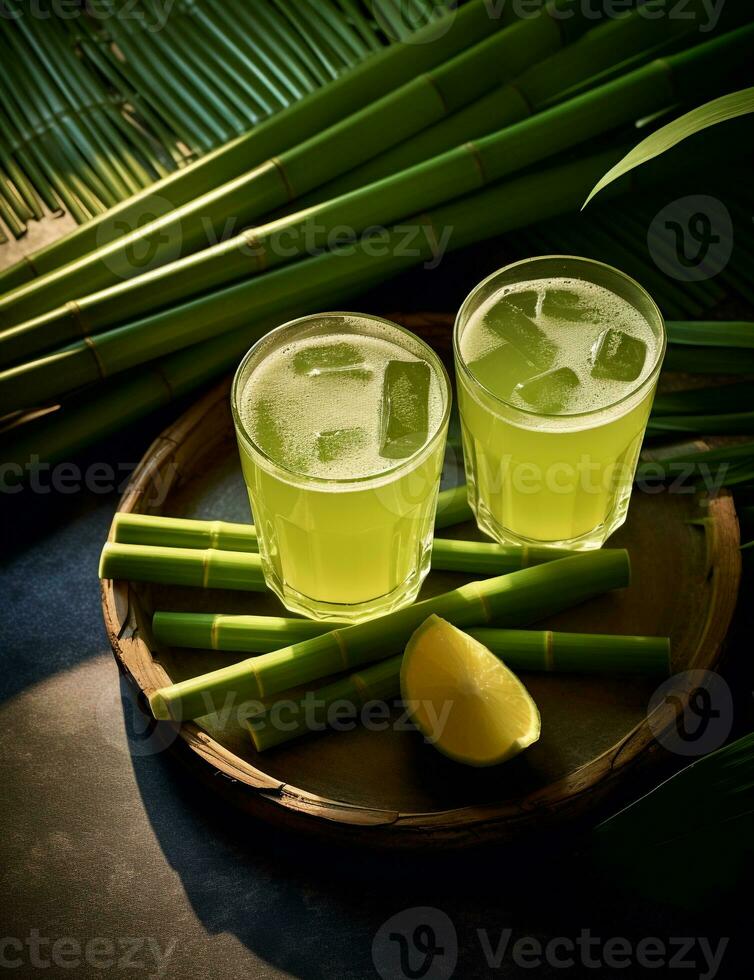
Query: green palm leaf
710, 114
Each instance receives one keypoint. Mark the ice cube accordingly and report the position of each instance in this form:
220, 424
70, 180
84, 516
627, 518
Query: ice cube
340, 358
550, 391
337, 444
501, 369
405, 408
566, 304
508, 323
525, 301
617, 356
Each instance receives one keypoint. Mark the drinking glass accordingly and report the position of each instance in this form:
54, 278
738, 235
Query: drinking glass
562, 480
335, 548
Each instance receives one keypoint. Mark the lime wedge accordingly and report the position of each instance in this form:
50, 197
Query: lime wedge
464, 699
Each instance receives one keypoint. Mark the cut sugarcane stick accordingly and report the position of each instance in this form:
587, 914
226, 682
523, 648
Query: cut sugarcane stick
207, 568
213, 568
283, 719
453, 507
536, 650
508, 600
456, 172
179, 532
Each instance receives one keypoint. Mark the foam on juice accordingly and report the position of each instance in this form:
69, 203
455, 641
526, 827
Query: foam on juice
567, 320
316, 406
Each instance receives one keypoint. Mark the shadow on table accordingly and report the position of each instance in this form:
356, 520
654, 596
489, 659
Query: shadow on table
314, 910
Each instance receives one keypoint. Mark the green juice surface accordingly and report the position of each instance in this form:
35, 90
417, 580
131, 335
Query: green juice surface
344, 501
552, 438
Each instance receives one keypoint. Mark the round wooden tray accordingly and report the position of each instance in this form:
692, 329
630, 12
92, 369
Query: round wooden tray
388, 788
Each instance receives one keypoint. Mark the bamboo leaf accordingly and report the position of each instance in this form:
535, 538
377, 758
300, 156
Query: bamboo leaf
710, 114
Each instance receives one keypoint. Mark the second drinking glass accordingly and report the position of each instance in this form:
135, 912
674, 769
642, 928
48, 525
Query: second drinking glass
341, 422
557, 360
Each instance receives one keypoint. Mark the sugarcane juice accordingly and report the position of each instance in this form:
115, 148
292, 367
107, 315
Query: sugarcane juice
342, 431
555, 383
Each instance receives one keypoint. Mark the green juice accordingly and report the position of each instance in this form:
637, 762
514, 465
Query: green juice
341, 422
556, 375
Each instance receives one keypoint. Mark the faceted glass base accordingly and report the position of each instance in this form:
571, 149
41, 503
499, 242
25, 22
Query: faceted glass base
349, 614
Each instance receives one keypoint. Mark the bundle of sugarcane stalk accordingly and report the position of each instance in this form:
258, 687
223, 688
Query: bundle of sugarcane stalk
146, 336
291, 653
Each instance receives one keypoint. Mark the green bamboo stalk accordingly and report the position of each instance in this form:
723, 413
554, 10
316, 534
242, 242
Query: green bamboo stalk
313, 281
709, 360
711, 333
452, 174
277, 721
539, 87
732, 464
722, 423
719, 399
206, 568
453, 507
123, 401
179, 532
508, 600
212, 567
281, 720
534, 650
369, 80
280, 179
98, 413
